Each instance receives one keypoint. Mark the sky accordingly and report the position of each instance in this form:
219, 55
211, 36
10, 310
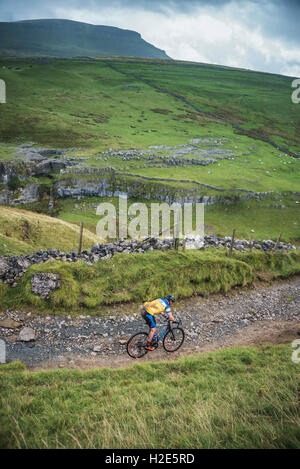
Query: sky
254, 34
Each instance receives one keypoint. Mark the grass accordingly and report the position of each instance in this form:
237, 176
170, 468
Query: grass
104, 107
271, 215
73, 103
257, 101
259, 168
92, 107
263, 219
243, 397
22, 231
134, 278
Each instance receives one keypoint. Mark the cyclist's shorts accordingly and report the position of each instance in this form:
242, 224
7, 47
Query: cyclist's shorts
150, 320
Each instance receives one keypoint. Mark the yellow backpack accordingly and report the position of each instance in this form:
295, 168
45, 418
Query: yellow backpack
154, 307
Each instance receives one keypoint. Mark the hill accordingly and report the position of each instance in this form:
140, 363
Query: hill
65, 38
116, 113
24, 232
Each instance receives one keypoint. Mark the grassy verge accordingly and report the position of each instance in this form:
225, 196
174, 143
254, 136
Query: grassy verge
235, 398
135, 278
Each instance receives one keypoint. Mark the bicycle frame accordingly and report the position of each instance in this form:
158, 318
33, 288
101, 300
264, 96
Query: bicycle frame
167, 329
138, 340
164, 331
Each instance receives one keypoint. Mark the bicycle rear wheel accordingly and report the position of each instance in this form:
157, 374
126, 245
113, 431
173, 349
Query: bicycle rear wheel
173, 339
136, 345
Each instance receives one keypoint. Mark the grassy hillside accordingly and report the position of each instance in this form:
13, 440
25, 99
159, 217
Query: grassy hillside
65, 38
257, 101
105, 104
236, 398
75, 103
91, 99
22, 231
134, 278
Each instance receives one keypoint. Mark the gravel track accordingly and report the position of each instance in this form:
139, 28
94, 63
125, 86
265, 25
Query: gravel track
262, 313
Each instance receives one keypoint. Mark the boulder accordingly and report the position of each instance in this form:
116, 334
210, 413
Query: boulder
49, 166
194, 243
4, 268
43, 284
27, 334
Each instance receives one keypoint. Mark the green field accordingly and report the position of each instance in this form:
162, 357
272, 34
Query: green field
256, 101
77, 103
236, 398
92, 107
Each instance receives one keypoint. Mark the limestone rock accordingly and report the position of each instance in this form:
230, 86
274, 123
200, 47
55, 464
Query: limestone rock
4, 268
27, 334
43, 284
8, 323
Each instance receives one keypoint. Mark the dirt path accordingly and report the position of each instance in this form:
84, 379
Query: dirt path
247, 316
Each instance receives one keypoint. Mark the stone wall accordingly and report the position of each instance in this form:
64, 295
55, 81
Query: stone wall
12, 268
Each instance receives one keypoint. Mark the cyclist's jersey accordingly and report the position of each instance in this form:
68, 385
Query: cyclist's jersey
157, 306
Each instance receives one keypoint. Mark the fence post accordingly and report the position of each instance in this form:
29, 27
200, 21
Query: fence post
176, 244
232, 243
80, 238
277, 242
250, 244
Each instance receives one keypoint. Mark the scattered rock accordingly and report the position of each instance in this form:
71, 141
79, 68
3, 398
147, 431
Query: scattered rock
97, 348
27, 334
8, 323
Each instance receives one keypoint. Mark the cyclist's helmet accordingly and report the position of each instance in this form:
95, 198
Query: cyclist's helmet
170, 298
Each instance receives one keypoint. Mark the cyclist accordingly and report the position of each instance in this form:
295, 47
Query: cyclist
150, 309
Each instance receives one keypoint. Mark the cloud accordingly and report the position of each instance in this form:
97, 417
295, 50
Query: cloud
260, 35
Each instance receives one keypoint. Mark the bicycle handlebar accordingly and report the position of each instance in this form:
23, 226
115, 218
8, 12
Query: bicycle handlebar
177, 322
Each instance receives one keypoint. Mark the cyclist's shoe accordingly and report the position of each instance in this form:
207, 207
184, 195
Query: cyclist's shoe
149, 347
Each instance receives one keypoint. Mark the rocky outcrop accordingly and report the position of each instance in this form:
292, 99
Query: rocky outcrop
75, 179
27, 195
80, 182
31, 161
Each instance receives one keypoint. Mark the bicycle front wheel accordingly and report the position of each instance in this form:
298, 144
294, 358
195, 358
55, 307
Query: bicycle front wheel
173, 339
136, 345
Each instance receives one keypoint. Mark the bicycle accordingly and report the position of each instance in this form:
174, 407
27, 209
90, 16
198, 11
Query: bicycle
173, 338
